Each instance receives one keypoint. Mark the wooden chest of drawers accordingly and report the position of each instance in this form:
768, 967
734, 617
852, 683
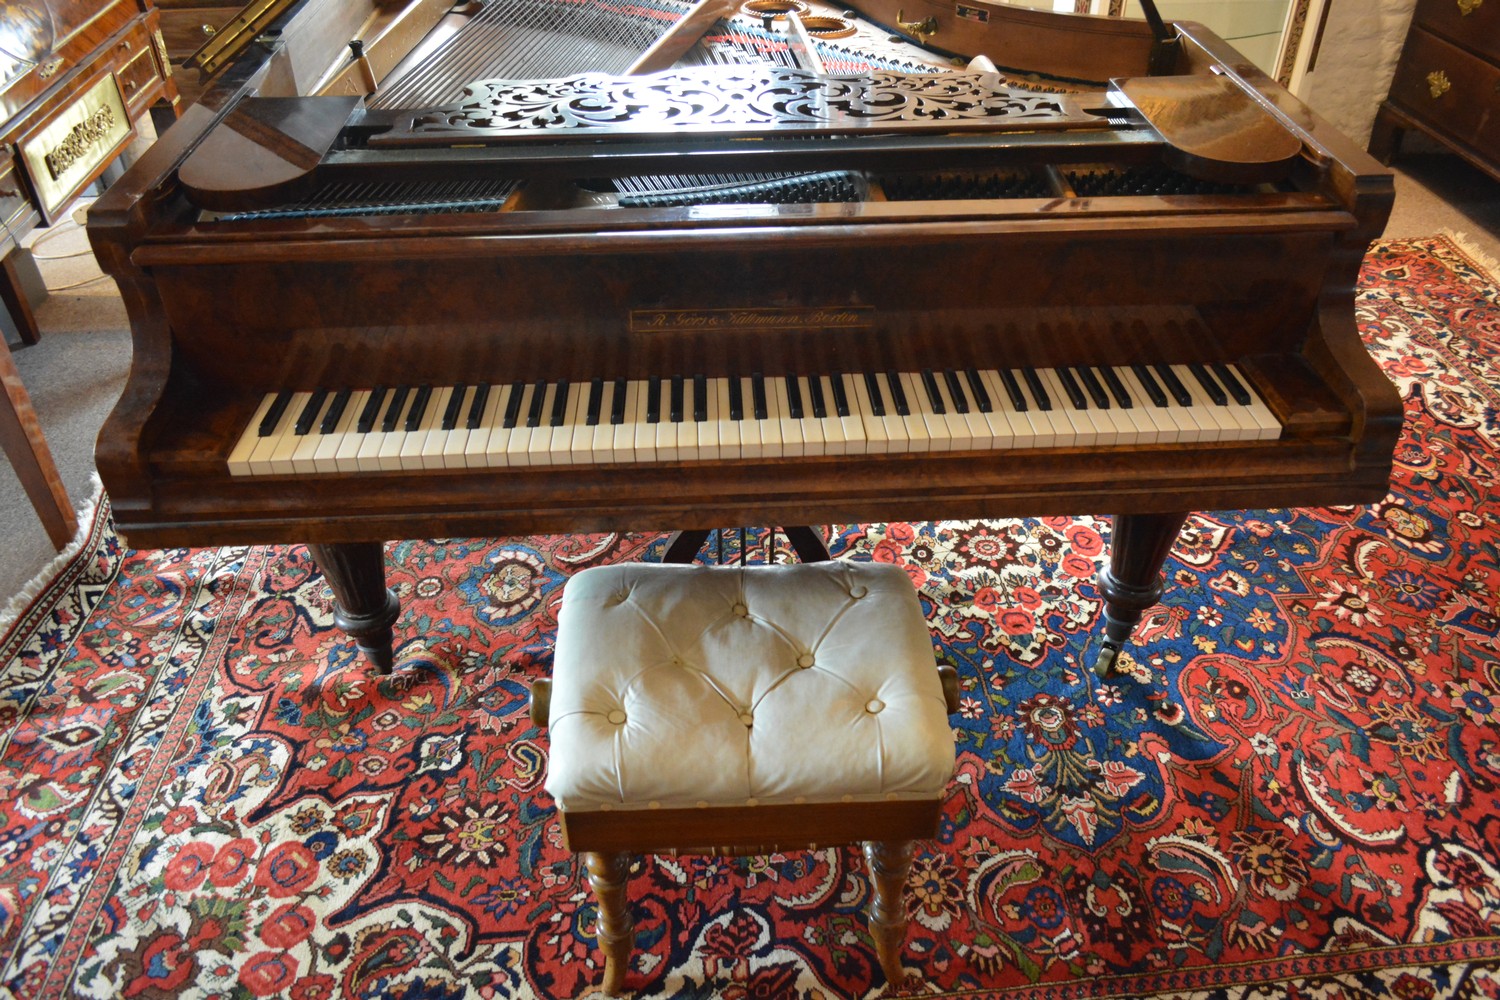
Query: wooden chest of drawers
1447, 83
75, 77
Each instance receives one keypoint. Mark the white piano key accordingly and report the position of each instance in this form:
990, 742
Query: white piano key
1106, 418
455, 444
1222, 424
812, 427
708, 430
959, 436
325, 459
793, 443
239, 455
644, 449
668, 434
1140, 428
1084, 431
728, 429
689, 430
434, 438
286, 438
1001, 434
853, 425
577, 446
935, 428
1168, 430
495, 452
518, 442
602, 435
913, 423
751, 443
539, 448
1265, 422
386, 455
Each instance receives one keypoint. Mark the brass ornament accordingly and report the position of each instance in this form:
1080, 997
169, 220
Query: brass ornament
1438, 83
921, 29
1467, 7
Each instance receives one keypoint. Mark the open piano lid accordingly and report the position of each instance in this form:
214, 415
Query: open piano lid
1210, 128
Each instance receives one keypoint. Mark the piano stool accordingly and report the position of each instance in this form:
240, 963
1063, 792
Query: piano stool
23, 443
743, 710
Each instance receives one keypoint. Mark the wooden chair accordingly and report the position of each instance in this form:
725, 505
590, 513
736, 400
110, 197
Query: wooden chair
745, 710
21, 437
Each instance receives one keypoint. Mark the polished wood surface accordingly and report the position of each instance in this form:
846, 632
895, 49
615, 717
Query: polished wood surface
1446, 84
26, 448
1262, 277
55, 51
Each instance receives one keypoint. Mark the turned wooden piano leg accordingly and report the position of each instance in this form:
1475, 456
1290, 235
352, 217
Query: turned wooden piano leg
364, 607
1131, 582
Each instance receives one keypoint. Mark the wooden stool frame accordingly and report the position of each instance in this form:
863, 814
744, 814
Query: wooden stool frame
607, 840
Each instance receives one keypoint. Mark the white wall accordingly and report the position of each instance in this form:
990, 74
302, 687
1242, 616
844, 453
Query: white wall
1355, 63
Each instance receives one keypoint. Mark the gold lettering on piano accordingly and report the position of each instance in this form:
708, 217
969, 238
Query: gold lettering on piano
760, 318
64, 154
76, 144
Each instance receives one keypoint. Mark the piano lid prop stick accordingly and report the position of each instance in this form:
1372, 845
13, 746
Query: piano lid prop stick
681, 36
802, 46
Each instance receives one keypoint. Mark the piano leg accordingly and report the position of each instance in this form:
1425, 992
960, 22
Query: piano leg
1131, 582
363, 606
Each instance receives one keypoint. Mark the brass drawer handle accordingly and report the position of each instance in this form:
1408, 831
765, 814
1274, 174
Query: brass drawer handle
1467, 7
1438, 84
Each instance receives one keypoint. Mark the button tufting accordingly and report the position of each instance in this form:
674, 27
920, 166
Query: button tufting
747, 718
805, 660
874, 705
617, 717
858, 590
741, 610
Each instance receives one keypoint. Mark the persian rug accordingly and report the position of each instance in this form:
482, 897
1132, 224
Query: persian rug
1292, 790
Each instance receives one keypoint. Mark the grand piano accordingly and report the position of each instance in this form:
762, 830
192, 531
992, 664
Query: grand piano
777, 273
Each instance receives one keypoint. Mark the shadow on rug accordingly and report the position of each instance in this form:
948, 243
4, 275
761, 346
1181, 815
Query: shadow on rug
204, 793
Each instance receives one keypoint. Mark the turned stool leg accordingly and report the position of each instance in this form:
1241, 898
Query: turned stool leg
890, 864
616, 932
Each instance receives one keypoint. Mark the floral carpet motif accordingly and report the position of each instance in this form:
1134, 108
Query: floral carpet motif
1291, 788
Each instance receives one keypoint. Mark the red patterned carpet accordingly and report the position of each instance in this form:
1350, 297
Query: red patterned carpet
203, 794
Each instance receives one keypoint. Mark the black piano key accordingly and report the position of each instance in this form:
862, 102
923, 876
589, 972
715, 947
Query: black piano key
653, 399
1117, 388
617, 404
840, 397
418, 407
335, 411
310, 411
736, 399
700, 398
981, 394
1174, 386
1070, 386
1214, 390
455, 407
371, 411
956, 391
677, 407
877, 400
1013, 390
394, 408
538, 403
815, 394
898, 394
793, 397
595, 403
934, 398
1228, 381
758, 395
273, 415
513, 404
1158, 398
1093, 386
1038, 391
476, 407
560, 404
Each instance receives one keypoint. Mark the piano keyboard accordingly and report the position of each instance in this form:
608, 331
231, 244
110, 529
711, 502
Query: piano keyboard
698, 418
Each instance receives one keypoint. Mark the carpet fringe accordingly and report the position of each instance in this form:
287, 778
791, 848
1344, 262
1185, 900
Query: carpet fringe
1486, 262
87, 513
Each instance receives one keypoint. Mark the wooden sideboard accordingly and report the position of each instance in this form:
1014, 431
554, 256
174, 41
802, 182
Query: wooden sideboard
75, 77
1447, 83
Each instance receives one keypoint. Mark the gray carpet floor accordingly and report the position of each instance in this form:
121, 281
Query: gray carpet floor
74, 375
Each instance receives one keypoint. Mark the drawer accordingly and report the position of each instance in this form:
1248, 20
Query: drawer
1478, 30
184, 29
1451, 91
135, 65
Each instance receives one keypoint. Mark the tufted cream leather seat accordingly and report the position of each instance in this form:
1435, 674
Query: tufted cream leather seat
693, 686
760, 705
